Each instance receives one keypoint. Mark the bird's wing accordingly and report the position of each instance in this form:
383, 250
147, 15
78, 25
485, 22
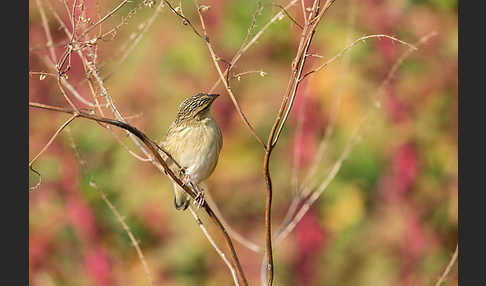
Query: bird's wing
166, 144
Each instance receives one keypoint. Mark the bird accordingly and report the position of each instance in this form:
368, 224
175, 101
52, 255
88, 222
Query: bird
194, 141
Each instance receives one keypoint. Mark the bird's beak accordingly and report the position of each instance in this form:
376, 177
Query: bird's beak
213, 96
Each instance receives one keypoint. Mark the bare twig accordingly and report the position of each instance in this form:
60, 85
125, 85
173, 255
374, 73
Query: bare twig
356, 137
135, 243
245, 47
286, 229
137, 39
154, 149
355, 42
42, 75
298, 66
36, 187
63, 67
287, 102
213, 243
329, 129
288, 15
222, 77
185, 21
239, 75
85, 32
90, 69
73, 91
51, 140
125, 20
237, 236
448, 268
47, 31
241, 275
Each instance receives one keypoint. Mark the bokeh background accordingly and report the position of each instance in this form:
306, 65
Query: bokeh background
388, 218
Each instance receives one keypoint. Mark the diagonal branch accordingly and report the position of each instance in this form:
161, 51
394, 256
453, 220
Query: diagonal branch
154, 149
52, 139
135, 243
223, 79
448, 268
355, 42
355, 139
213, 243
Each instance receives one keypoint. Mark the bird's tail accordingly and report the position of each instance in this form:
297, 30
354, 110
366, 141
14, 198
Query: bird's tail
181, 198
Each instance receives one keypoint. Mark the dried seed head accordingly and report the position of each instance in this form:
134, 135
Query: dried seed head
204, 8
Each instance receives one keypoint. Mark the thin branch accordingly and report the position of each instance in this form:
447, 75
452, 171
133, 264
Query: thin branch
73, 91
47, 31
90, 68
330, 127
448, 268
135, 243
288, 15
125, 20
222, 77
52, 139
36, 187
105, 94
294, 177
185, 21
302, 5
42, 75
237, 236
104, 18
137, 39
154, 149
297, 68
59, 84
241, 51
239, 75
73, 21
257, 12
213, 243
356, 137
286, 229
117, 137
241, 275
355, 42
134, 133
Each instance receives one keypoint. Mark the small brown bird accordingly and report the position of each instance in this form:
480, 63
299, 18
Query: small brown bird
194, 141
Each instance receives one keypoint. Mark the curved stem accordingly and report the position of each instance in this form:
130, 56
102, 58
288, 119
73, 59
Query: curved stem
153, 147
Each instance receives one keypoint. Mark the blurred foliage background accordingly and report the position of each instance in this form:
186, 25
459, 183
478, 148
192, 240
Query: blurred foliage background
388, 218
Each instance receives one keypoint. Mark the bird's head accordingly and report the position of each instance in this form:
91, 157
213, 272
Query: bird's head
196, 106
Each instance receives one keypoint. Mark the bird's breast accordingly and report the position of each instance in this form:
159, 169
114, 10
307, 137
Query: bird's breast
197, 148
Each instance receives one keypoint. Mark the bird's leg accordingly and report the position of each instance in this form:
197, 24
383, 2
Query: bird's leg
199, 199
186, 178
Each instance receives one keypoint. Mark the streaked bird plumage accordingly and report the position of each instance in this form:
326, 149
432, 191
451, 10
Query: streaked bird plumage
194, 140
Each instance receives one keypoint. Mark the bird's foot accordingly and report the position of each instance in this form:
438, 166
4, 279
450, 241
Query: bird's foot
185, 178
199, 200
